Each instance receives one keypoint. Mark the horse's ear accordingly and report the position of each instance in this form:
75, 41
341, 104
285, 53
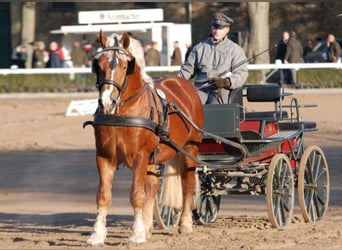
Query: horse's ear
125, 39
103, 39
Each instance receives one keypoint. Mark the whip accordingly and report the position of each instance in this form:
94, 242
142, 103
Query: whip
208, 82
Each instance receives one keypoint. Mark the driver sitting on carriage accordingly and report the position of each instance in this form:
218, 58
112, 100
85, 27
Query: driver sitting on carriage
216, 59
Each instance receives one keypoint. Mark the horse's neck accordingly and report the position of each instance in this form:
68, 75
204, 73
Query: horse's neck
143, 101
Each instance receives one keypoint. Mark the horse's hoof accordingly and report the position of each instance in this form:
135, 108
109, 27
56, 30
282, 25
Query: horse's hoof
185, 230
95, 240
148, 232
138, 238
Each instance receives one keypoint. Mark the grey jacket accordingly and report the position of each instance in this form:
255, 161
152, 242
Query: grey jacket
208, 60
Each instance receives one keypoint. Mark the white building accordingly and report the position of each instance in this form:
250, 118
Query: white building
145, 25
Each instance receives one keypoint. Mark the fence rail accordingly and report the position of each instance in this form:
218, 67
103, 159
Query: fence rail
296, 66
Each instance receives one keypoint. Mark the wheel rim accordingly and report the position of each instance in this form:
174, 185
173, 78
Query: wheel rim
280, 191
169, 216
313, 184
208, 208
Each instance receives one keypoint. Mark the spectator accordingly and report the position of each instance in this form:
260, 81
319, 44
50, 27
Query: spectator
88, 49
334, 49
176, 58
308, 47
19, 56
284, 74
188, 50
56, 56
152, 56
294, 54
40, 56
215, 59
78, 56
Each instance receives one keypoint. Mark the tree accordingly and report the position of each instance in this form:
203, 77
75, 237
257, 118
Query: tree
258, 39
28, 27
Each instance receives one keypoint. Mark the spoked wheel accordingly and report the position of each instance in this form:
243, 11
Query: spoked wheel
280, 191
165, 216
313, 184
208, 207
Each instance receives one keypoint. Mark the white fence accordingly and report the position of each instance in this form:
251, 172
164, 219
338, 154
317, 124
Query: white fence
296, 66
88, 106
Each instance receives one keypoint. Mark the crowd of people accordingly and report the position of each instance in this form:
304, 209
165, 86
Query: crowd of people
290, 50
53, 57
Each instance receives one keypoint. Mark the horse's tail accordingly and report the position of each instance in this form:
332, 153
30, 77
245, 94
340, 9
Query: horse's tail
172, 194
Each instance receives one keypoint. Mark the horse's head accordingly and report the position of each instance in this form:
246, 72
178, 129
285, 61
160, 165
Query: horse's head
112, 66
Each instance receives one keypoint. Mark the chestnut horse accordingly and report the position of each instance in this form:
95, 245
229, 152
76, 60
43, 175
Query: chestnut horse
129, 127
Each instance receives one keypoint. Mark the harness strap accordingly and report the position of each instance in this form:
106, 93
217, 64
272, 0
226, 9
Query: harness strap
135, 95
129, 121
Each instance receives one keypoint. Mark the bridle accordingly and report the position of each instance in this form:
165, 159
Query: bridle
120, 87
114, 49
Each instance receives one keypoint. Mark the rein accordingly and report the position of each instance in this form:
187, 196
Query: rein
138, 93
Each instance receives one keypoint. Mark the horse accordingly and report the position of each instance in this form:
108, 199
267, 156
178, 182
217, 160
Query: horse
138, 126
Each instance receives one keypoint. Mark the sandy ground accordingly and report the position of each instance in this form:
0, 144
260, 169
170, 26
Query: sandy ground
48, 184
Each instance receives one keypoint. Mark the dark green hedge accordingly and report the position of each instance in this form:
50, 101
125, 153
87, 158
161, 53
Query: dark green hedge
322, 78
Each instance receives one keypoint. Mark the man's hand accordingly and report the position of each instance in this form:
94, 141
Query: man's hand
222, 82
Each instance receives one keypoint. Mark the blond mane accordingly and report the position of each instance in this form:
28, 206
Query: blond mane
137, 50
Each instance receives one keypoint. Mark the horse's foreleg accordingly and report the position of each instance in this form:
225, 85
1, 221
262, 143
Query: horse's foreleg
151, 187
104, 199
137, 198
188, 185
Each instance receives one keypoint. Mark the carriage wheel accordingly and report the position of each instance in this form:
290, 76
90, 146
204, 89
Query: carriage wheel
280, 191
208, 208
313, 184
165, 216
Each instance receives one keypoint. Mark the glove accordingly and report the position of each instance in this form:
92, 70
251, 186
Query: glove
222, 82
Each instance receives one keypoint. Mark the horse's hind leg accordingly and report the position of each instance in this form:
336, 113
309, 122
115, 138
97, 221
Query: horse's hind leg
151, 187
104, 199
188, 185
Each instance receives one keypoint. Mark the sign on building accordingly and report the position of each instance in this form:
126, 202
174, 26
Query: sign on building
120, 16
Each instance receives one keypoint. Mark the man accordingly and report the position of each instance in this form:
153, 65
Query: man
188, 47
56, 56
40, 56
152, 56
215, 59
176, 58
79, 57
294, 54
284, 74
334, 49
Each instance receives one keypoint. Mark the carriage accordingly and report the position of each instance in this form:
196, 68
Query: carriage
166, 136
256, 152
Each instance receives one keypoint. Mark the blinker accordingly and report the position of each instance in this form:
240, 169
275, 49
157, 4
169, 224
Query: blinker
130, 67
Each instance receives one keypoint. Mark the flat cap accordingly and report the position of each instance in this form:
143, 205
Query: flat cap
220, 20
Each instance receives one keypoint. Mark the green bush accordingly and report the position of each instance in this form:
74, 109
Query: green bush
313, 78
320, 78
47, 83
306, 78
